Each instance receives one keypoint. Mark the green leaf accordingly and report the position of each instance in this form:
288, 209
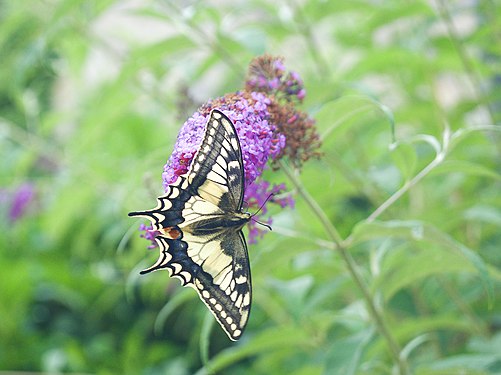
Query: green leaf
448, 255
485, 214
179, 299
468, 364
293, 292
345, 355
467, 167
204, 344
265, 342
335, 115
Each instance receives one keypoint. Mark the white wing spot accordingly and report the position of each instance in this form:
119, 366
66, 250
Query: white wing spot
246, 299
218, 168
233, 165
234, 143
221, 161
218, 307
243, 318
237, 333
229, 320
233, 327
177, 267
224, 153
158, 216
238, 302
186, 275
241, 279
226, 145
174, 193
223, 314
205, 294
234, 296
225, 282
216, 178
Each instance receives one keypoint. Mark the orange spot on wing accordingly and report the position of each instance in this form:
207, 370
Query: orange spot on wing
172, 232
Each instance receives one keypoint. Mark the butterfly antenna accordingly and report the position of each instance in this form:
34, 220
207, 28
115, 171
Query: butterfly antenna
260, 208
263, 224
258, 211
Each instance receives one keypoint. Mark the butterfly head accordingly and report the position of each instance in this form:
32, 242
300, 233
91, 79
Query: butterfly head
240, 219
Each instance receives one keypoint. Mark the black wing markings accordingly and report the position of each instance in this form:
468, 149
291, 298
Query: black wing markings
208, 251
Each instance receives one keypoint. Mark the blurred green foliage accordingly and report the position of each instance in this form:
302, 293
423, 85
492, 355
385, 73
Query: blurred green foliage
408, 102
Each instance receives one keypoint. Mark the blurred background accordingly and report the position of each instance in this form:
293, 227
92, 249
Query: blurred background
407, 100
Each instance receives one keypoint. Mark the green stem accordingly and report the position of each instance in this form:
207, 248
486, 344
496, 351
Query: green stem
442, 151
330, 229
405, 187
467, 62
353, 269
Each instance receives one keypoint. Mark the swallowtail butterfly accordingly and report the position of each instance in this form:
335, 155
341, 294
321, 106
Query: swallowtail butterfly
200, 222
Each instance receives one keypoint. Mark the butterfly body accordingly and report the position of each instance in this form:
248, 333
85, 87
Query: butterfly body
200, 221
230, 222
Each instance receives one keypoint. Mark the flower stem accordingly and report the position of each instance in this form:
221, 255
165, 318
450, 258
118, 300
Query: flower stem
353, 269
442, 151
405, 187
469, 67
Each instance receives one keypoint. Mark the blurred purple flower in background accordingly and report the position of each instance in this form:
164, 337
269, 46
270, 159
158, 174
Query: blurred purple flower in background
17, 200
269, 127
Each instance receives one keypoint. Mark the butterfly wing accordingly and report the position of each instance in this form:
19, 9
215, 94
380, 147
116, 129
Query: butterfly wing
217, 168
224, 284
195, 244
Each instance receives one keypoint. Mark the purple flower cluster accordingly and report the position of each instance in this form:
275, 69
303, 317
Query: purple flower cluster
268, 127
259, 140
268, 75
257, 136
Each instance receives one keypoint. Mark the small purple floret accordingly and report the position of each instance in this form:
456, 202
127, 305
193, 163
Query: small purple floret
21, 199
148, 234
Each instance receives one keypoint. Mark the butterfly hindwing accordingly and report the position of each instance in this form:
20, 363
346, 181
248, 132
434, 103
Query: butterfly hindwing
199, 220
227, 293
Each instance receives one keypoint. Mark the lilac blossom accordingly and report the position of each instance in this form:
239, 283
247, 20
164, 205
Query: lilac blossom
149, 234
268, 127
258, 138
268, 75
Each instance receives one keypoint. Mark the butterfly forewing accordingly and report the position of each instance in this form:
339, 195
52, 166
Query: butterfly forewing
199, 220
217, 168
